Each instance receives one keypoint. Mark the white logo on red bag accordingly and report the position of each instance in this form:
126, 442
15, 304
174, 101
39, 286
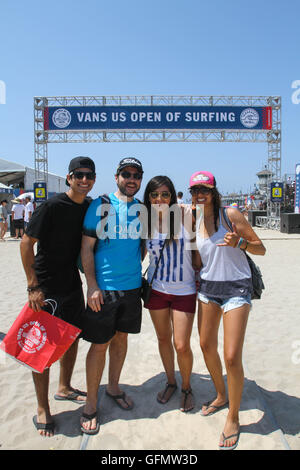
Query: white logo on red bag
32, 337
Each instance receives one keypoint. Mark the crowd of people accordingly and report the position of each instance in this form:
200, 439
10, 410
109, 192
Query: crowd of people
21, 212
196, 264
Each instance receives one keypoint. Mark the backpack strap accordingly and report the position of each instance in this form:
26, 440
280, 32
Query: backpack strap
226, 218
105, 198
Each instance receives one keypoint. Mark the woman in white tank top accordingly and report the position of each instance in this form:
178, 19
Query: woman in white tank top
173, 298
225, 290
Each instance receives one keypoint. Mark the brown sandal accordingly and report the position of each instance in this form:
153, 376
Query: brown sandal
168, 386
186, 394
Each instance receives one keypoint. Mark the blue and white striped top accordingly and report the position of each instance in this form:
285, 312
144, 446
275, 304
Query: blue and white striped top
175, 274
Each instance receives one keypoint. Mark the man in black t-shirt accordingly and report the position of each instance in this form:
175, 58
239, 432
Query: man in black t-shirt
56, 227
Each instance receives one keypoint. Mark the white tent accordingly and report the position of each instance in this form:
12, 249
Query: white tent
5, 189
14, 173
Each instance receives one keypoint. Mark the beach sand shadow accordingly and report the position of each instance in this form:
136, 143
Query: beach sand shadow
286, 417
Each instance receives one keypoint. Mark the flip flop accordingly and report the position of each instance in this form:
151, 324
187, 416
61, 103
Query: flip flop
215, 410
225, 438
186, 393
72, 397
82, 394
43, 426
122, 396
90, 417
173, 386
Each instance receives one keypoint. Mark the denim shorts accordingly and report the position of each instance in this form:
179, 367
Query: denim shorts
226, 304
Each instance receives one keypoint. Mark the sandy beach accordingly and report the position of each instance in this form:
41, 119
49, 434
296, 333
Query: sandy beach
270, 408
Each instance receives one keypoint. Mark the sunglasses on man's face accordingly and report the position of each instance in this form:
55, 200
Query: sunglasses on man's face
126, 175
162, 194
200, 189
79, 175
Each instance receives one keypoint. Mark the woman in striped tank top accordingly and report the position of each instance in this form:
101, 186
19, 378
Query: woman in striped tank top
225, 290
173, 299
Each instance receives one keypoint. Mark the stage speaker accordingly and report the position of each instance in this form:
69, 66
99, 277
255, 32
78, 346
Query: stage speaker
290, 223
252, 216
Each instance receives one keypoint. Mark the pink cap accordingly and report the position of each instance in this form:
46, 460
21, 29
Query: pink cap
203, 178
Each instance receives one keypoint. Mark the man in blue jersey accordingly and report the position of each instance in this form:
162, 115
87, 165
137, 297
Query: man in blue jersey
111, 258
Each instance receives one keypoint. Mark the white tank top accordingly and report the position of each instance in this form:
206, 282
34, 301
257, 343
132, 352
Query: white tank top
225, 272
175, 274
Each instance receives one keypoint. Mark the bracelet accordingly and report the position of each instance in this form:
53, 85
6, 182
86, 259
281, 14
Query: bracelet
247, 243
33, 288
240, 242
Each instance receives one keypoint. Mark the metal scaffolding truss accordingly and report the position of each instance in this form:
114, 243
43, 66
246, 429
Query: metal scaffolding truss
272, 137
156, 100
154, 136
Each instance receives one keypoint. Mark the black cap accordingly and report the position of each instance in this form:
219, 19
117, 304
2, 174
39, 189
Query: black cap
81, 162
130, 161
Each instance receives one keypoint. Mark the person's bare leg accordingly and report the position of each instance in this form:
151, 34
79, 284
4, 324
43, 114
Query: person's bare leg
235, 323
41, 383
2, 230
163, 326
117, 355
67, 363
208, 324
95, 363
182, 325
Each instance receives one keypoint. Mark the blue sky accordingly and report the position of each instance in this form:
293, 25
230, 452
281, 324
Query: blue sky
160, 47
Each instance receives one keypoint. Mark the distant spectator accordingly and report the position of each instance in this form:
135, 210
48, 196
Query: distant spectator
18, 211
29, 209
180, 198
3, 219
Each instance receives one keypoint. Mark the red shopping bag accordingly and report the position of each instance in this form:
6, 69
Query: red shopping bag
38, 339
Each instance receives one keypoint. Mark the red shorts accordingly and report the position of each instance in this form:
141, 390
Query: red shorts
183, 303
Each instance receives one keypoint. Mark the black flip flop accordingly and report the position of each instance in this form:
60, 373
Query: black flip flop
90, 417
225, 438
122, 396
215, 410
71, 397
43, 426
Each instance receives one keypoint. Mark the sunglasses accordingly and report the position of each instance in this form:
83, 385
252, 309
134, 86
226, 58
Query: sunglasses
201, 189
126, 175
162, 194
79, 175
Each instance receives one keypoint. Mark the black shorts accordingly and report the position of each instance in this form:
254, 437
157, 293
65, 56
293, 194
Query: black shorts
121, 311
70, 307
18, 223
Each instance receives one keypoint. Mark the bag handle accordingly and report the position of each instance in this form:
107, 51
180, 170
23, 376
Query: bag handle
156, 268
51, 302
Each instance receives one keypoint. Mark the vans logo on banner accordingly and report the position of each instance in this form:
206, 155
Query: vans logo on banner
61, 118
32, 337
249, 117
